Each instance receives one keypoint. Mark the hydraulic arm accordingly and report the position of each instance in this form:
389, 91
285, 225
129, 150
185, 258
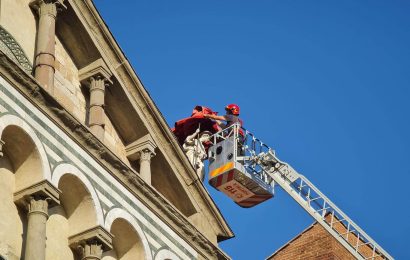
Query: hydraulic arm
245, 168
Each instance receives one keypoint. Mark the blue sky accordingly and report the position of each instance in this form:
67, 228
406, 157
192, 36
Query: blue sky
326, 83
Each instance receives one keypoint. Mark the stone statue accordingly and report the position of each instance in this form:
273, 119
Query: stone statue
195, 150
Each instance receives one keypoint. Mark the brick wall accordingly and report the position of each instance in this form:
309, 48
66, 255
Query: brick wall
313, 243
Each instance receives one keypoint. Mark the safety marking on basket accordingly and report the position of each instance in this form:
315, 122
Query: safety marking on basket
256, 199
221, 169
223, 178
235, 190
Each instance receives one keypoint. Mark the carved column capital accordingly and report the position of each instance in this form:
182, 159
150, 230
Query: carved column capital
141, 147
38, 197
90, 250
91, 243
98, 83
48, 7
146, 155
38, 205
95, 71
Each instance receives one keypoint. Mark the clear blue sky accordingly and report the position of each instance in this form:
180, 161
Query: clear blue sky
326, 83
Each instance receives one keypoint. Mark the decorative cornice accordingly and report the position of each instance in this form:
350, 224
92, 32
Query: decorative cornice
13, 50
27, 85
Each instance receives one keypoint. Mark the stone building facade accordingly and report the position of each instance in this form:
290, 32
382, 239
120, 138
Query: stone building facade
88, 166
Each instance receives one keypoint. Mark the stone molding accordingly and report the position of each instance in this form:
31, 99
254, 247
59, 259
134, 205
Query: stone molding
42, 190
138, 149
144, 192
96, 69
96, 235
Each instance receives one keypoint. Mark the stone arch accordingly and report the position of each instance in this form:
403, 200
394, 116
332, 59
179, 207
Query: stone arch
64, 169
14, 131
166, 254
23, 162
79, 211
117, 219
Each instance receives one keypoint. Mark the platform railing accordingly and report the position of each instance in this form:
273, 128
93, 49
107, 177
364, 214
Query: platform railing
259, 159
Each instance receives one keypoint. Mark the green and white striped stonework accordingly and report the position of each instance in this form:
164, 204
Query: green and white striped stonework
62, 155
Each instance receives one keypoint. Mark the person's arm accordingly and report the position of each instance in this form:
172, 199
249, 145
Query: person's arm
215, 117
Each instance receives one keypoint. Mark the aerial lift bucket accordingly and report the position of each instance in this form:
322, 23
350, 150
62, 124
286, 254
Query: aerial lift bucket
228, 174
249, 173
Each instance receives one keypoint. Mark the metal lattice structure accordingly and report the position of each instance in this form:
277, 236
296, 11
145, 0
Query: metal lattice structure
260, 160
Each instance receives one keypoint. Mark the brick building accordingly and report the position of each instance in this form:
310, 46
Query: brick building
317, 243
312, 243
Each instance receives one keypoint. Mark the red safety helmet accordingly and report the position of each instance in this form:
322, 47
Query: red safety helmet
233, 108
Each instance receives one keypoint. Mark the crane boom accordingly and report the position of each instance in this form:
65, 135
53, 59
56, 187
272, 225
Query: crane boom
255, 159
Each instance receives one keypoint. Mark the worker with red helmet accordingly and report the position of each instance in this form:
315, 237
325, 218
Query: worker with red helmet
231, 117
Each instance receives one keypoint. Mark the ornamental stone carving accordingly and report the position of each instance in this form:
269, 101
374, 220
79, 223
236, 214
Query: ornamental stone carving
13, 50
91, 243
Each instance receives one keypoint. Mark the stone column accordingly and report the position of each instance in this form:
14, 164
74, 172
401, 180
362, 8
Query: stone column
145, 164
90, 244
96, 76
37, 199
143, 150
96, 112
45, 44
36, 228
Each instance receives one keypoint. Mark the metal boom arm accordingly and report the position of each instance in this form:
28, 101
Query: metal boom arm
261, 160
